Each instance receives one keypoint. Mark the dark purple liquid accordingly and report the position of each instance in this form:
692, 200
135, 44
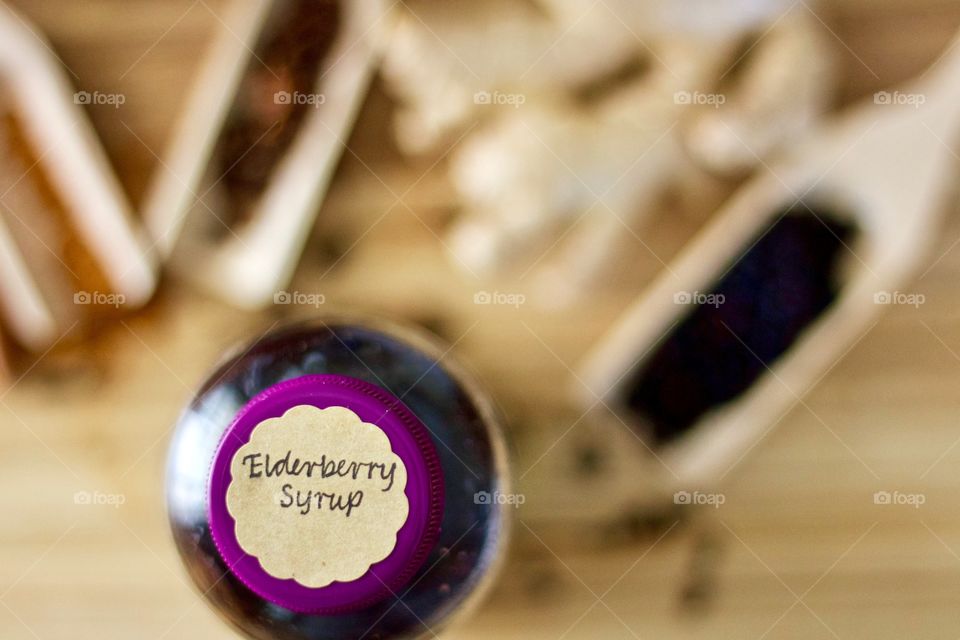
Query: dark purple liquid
471, 533
783, 283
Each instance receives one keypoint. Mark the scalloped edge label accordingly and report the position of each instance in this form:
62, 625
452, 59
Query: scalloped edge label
317, 495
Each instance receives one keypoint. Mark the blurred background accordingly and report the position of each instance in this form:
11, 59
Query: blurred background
511, 175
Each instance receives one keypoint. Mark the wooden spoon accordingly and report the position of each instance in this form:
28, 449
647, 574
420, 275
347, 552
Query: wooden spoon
38, 96
248, 264
886, 166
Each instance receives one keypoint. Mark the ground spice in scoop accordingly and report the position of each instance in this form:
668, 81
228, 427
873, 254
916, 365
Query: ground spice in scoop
42, 225
279, 88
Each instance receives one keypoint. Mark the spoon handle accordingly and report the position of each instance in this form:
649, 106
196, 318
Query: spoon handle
936, 93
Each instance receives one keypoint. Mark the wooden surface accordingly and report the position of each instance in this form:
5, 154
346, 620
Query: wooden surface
797, 550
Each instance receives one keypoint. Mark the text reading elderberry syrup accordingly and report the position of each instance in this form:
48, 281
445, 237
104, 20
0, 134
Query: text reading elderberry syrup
260, 465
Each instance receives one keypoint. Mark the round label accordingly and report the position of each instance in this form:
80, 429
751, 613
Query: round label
325, 494
317, 495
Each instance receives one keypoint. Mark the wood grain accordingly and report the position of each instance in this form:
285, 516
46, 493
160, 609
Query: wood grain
797, 550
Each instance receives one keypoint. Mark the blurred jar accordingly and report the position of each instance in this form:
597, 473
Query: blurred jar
259, 482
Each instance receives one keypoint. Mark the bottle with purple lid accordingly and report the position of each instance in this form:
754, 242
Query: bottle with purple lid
332, 480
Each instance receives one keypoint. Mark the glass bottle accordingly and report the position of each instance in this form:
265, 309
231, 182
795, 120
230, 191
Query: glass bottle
297, 519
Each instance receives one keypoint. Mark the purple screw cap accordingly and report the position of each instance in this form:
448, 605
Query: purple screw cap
409, 439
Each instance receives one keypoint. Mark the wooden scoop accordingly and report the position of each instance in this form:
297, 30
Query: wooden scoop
886, 167
244, 257
67, 164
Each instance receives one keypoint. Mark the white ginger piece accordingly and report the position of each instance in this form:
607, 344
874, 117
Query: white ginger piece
443, 54
783, 87
532, 173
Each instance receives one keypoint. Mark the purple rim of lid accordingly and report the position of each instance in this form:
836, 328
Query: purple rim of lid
409, 439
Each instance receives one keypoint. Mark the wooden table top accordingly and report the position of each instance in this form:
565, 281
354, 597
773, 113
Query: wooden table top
798, 549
